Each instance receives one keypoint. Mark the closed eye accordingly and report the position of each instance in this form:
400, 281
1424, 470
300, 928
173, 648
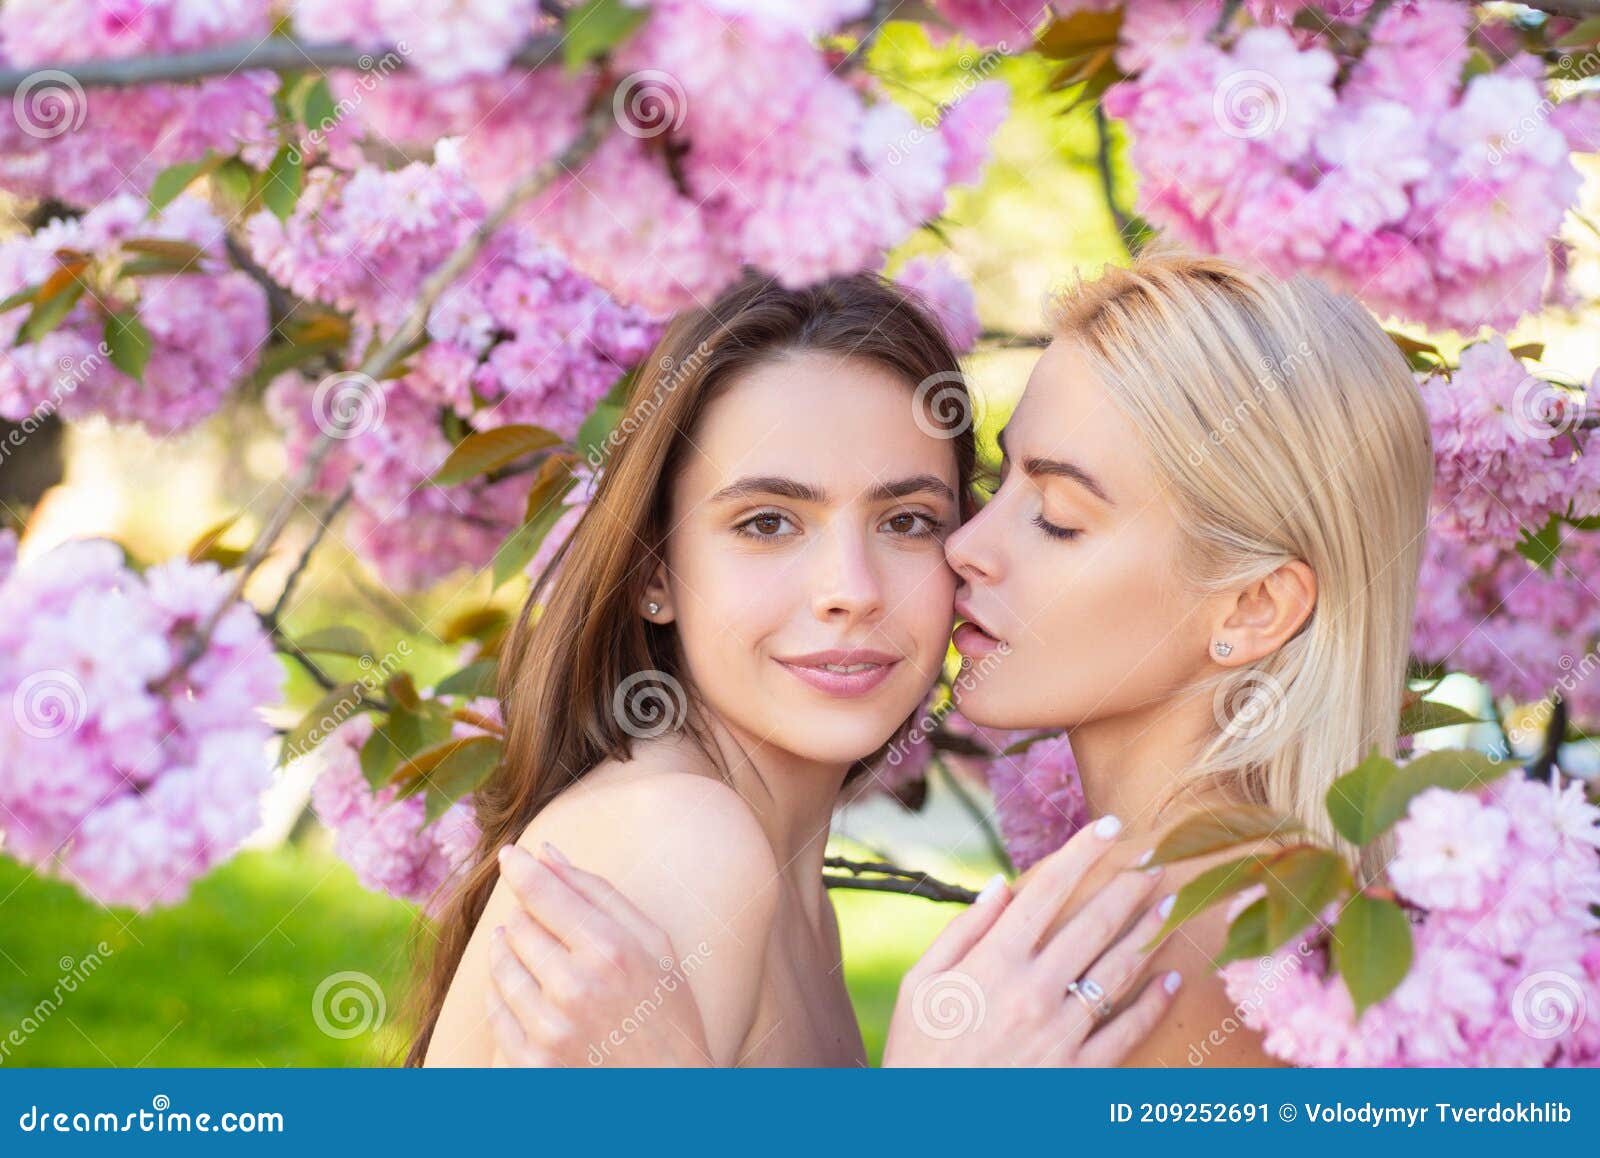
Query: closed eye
1054, 531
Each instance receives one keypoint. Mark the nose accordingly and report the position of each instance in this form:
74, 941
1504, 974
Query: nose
847, 585
973, 549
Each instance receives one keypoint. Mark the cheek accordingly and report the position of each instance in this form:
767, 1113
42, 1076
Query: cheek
920, 595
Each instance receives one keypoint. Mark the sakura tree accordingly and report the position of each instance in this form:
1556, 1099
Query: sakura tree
435, 237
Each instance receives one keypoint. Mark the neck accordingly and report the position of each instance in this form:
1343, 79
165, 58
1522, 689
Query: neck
1128, 763
793, 798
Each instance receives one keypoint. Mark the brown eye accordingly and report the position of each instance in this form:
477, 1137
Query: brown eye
767, 524
903, 524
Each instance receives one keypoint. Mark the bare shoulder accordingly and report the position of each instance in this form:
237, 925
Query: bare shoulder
686, 850
1205, 1027
661, 821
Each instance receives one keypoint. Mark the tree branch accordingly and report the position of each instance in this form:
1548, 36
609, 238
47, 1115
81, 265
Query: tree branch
387, 356
893, 879
275, 54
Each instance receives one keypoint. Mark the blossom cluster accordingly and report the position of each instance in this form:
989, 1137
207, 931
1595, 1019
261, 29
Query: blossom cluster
520, 338
207, 321
122, 769
389, 842
83, 147
1506, 972
1430, 198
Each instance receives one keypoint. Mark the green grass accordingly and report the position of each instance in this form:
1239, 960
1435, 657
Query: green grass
229, 977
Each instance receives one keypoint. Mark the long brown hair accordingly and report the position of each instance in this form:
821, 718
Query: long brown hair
562, 663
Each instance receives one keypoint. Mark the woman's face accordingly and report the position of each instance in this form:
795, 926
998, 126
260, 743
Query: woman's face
805, 556
1072, 567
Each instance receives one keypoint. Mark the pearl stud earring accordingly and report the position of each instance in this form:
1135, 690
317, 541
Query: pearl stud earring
1223, 649
654, 607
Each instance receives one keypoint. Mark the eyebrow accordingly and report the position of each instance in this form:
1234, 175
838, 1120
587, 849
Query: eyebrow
787, 488
1057, 468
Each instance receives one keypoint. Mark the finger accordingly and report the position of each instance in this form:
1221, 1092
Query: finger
605, 896
535, 1007
572, 917
1039, 902
1118, 968
957, 938
512, 1046
538, 951
1112, 1043
1095, 927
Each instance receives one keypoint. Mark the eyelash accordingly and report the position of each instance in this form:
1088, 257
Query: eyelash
1054, 531
933, 526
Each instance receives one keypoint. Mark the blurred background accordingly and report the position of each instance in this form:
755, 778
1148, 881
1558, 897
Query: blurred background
229, 976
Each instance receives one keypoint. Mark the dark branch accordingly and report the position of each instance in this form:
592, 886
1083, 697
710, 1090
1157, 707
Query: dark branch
890, 878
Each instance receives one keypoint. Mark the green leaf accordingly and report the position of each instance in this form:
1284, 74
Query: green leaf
1247, 936
1079, 33
333, 709
172, 181
129, 343
595, 28
1542, 547
1222, 828
318, 112
1367, 801
596, 429
1353, 799
469, 765
1372, 948
1583, 34
474, 680
1457, 769
1478, 64
281, 183
1217, 883
484, 450
233, 181
22, 297
521, 545
340, 639
446, 764
1426, 715
1300, 883
206, 545
401, 736
50, 308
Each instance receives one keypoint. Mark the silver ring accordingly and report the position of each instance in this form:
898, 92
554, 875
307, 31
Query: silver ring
1093, 996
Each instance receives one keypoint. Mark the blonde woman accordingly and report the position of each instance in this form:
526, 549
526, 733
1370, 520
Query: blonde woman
1201, 562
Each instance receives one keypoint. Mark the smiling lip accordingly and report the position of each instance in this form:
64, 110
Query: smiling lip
972, 638
842, 672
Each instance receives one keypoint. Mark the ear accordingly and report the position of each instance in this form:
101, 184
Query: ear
1264, 615
656, 592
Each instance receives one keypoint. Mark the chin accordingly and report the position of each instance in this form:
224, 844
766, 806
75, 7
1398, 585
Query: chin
990, 705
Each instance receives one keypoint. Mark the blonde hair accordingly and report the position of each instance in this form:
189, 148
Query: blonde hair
1286, 425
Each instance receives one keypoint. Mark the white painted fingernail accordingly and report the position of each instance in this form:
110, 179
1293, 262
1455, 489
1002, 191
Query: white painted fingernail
1165, 907
1144, 858
1107, 827
996, 886
1171, 981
